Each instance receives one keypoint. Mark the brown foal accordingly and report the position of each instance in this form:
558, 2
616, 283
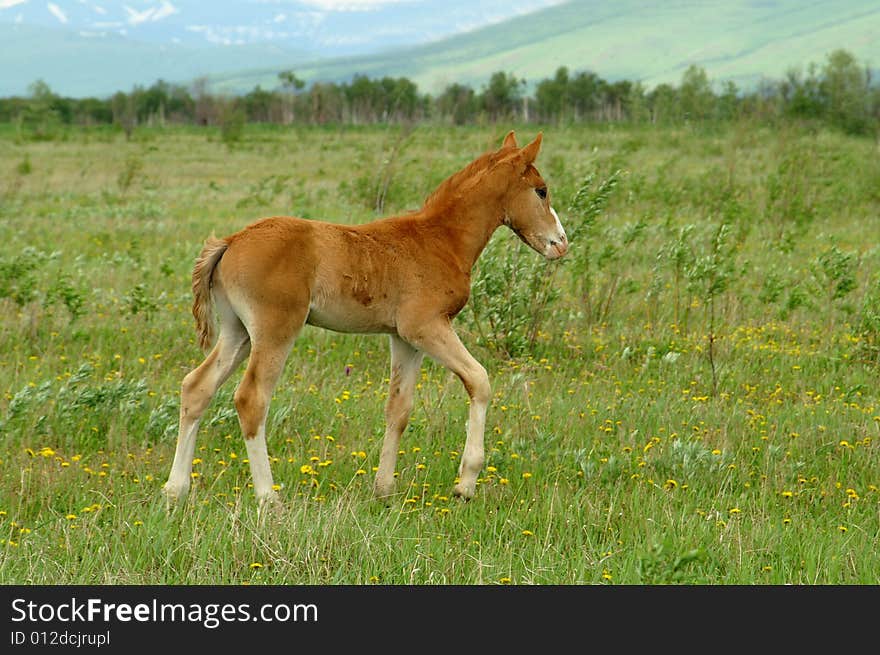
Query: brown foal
406, 276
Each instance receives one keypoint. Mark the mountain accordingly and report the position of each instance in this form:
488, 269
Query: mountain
97, 47
78, 66
649, 41
238, 45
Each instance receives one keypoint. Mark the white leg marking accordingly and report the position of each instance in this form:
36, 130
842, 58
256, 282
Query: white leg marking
261, 472
406, 363
181, 469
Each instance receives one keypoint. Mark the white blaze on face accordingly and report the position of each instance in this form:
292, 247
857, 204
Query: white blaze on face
559, 227
557, 244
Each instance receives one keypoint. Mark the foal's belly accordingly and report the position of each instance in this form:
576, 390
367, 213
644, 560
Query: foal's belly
349, 317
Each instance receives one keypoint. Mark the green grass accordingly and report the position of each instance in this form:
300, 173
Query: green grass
614, 454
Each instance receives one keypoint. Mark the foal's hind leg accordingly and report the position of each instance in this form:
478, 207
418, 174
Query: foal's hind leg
268, 355
198, 387
405, 365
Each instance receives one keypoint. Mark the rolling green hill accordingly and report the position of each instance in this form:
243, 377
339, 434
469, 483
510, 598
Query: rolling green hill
739, 40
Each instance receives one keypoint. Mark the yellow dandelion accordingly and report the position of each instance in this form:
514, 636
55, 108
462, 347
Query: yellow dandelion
606, 574
528, 533
734, 510
787, 494
526, 475
71, 517
671, 484
256, 565
504, 580
842, 528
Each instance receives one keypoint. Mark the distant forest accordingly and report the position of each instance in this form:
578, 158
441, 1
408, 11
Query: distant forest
839, 92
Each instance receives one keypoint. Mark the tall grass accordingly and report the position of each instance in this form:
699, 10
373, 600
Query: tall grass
689, 397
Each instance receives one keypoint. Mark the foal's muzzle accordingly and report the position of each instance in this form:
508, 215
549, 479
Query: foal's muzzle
556, 248
557, 244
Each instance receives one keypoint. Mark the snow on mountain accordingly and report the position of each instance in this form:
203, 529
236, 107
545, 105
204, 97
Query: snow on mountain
327, 28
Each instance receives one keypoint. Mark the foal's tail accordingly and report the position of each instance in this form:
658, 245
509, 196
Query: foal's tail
203, 303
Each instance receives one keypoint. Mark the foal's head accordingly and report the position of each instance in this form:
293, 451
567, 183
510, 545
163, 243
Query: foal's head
526, 202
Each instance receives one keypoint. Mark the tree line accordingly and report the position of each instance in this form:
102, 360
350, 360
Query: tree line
839, 92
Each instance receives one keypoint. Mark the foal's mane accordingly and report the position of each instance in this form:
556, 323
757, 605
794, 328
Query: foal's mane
448, 189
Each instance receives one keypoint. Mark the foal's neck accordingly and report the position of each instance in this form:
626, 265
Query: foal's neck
468, 227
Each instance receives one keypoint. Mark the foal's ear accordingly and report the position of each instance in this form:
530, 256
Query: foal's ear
509, 140
530, 152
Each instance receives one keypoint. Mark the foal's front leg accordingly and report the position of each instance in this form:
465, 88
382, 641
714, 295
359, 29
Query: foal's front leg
440, 341
406, 363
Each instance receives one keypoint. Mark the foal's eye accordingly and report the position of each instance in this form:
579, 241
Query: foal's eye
542, 192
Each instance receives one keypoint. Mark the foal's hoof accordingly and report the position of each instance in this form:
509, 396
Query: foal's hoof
464, 491
173, 494
270, 505
383, 491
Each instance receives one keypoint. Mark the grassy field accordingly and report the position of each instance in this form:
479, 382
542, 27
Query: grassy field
691, 396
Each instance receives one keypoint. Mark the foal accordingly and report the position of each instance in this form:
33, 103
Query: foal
406, 276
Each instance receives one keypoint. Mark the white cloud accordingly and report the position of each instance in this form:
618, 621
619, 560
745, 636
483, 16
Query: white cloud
352, 5
152, 14
137, 17
167, 9
56, 11
6, 4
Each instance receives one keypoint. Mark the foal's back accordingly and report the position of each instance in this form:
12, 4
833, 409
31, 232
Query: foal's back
361, 278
